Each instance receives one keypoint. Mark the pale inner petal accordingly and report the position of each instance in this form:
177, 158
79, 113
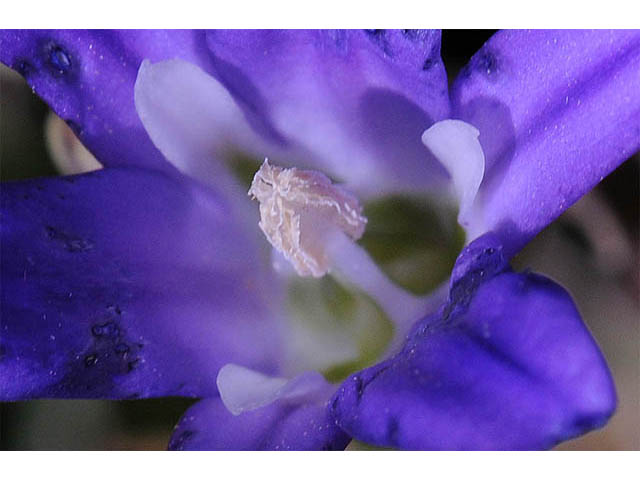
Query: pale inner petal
455, 144
242, 389
192, 118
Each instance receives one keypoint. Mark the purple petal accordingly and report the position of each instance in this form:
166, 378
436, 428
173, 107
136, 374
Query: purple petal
355, 102
87, 77
506, 364
126, 283
208, 425
557, 111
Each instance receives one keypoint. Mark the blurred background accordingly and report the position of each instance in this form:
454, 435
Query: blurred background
592, 250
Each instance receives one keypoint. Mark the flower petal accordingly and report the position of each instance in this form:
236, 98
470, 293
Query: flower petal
242, 389
87, 77
208, 425
193, 119
126, 283
352, 103
455, 144
505, 364
557, 111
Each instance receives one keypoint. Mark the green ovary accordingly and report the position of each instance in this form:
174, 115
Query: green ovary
329, 313
414, 241
414, 244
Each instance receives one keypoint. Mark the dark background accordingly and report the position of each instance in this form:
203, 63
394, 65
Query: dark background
592, 250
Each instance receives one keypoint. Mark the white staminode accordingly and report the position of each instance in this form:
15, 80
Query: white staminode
455, 144
242, 389
315, 225
299, 210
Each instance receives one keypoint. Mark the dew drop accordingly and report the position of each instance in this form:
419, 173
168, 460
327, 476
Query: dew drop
90, 360
428, 63
50, 231
359, 386
121, 349
105, 329
24, 68
59, 59
411, 33
97, 330
486, 61
132, 364
115, 309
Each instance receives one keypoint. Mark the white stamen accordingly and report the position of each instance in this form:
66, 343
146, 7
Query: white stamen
298, 208
455, 144
315, 224
351, 264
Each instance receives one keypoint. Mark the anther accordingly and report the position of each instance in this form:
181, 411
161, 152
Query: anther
315, 224
299, 209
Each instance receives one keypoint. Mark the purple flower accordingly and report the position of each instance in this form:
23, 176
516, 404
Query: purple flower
149, 277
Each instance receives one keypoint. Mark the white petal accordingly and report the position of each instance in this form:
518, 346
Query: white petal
191, 117
242, 389
455, 144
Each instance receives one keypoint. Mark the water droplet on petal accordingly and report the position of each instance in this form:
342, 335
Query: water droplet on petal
90, 360
105, 329
59, 59
24, 68
121, 349
132, 364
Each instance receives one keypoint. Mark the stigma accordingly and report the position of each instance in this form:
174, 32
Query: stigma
300, 211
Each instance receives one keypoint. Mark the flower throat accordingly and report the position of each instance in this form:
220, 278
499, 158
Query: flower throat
314, 225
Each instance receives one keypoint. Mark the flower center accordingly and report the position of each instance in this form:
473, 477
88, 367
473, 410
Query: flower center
352, 296
347, 319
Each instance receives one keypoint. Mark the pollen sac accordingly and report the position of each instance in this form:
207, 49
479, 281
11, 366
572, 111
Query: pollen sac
300, 210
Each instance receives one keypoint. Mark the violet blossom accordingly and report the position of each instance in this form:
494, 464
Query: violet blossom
151, 276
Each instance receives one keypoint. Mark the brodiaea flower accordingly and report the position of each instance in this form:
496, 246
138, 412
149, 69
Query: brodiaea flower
143, 279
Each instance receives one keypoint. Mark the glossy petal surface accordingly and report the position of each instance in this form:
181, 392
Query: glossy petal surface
126, 283
557, 111
87, 78
208, 425
505, 364
352, 104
